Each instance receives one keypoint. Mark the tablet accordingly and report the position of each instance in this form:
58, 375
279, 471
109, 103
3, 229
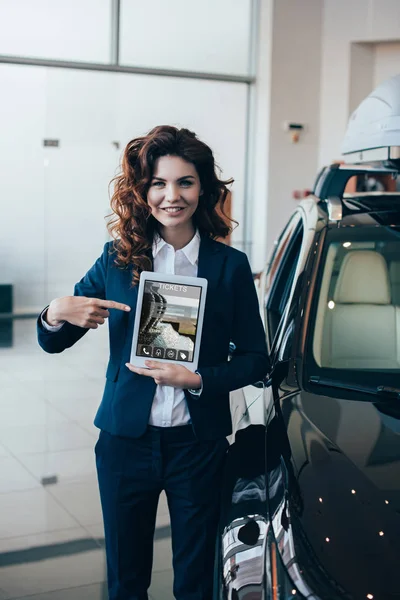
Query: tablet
169, 319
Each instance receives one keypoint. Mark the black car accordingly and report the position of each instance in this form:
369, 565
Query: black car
311, 496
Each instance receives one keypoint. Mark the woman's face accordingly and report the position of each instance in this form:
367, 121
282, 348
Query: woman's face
174, 191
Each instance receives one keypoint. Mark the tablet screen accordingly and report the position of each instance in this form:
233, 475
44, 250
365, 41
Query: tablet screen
168, 321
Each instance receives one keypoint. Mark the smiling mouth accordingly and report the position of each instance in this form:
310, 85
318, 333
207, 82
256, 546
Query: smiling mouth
174, 209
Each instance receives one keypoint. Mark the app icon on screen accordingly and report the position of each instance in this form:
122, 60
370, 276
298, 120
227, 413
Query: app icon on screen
147, 351
170, 354
158, 352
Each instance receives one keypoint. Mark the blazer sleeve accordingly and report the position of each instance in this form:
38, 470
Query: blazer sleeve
250, 360
92, 285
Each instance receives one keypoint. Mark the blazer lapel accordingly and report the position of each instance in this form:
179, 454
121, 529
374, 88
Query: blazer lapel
211, 260
210, 266
130, 292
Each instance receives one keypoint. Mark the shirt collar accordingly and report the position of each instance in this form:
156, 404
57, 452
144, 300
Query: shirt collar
191, 250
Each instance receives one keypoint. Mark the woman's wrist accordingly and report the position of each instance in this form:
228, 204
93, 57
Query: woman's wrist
52, 316
194, 382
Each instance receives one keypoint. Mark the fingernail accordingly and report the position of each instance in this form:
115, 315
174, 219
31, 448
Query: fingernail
127, 308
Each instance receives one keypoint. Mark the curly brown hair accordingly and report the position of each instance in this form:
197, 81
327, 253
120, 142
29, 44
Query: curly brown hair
132, 225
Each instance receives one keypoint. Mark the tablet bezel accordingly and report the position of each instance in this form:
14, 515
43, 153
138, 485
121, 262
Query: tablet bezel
139, 361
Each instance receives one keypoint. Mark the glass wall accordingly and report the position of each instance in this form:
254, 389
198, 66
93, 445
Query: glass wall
204, 36
63, 130
77, 30
54, 198
211, 36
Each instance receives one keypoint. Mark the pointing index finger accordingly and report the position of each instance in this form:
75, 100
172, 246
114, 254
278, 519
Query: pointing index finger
113, 304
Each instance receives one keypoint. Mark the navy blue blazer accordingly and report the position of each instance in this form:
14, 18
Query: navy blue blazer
231, 314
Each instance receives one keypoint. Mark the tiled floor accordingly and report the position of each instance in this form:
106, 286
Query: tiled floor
51, 536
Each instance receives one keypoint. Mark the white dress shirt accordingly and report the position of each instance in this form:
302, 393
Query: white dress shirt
169, 408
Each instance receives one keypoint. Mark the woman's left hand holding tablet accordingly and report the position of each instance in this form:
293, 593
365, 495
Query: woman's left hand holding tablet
168, 374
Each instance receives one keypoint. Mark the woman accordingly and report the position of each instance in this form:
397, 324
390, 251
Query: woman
164, 428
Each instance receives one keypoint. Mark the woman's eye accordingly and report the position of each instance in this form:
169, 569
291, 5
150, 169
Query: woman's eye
158, 183
186, 183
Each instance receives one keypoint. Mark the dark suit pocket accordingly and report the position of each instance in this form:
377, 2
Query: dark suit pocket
112, 371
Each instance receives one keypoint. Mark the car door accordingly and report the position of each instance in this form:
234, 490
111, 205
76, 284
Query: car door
345, 443
244, 515
284, 315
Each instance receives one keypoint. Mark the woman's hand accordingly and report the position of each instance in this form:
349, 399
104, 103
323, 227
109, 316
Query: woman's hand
81, 311
168, 374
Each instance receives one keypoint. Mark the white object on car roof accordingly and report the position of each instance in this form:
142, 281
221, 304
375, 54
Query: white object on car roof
373, 131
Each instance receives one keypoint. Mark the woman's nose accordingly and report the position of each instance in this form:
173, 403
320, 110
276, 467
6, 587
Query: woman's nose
172, 192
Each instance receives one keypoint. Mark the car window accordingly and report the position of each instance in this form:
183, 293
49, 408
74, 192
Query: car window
357, 317
279, 249
282, 272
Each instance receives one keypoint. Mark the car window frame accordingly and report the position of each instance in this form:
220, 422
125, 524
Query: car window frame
277, 303
283, 248
309, 217
281, 242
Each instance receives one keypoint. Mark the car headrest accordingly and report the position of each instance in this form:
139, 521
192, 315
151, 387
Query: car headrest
363, 279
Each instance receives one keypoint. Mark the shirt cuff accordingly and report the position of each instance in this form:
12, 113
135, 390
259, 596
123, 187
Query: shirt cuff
48, 327
199, 391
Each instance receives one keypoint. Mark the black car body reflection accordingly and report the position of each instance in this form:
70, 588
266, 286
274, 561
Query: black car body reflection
311, 500
244, 518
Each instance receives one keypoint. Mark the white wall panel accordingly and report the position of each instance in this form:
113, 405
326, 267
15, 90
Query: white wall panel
387, 62
295, 86
75, 30
22, 117
76, 201
362, 59
81, 114
260, 132
384, 19
212, 35
80, 106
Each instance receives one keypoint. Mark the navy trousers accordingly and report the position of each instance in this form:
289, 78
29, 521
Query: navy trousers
131, 474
